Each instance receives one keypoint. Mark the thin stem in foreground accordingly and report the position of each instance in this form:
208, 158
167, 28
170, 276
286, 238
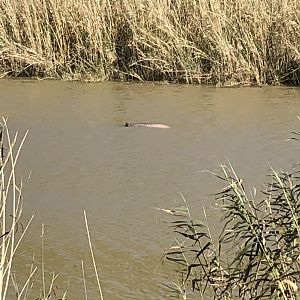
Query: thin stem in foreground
92, 254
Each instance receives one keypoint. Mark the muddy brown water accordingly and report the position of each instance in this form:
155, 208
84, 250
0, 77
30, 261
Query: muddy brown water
78, 156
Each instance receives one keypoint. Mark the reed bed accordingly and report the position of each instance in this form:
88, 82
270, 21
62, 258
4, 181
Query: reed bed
223, 42
256, 256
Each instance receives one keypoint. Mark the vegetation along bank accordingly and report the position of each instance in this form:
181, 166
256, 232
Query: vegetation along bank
224, 42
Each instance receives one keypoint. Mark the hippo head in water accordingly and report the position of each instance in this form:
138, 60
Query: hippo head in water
151, 125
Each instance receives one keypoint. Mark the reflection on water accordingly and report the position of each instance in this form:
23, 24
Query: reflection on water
81, 158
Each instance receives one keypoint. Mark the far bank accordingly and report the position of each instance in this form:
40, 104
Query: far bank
228, 43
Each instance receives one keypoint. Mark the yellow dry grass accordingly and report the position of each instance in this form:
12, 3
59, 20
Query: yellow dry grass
225, 42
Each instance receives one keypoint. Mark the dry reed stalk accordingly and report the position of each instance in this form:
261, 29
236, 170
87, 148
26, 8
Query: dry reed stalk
11, 204
84, 280
92, 255
10, 208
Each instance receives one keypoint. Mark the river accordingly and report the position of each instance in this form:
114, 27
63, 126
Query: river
78, 156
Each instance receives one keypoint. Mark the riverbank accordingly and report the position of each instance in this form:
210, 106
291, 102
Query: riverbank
215, 42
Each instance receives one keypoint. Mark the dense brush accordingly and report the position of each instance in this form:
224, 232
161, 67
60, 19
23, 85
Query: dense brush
223, 42
257, 254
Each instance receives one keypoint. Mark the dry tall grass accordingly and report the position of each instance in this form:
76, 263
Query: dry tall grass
12, 230
205, 41
11, 201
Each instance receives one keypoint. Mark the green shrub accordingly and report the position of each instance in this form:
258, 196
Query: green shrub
257, 255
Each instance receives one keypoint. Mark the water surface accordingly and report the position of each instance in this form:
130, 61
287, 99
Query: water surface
78, 156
